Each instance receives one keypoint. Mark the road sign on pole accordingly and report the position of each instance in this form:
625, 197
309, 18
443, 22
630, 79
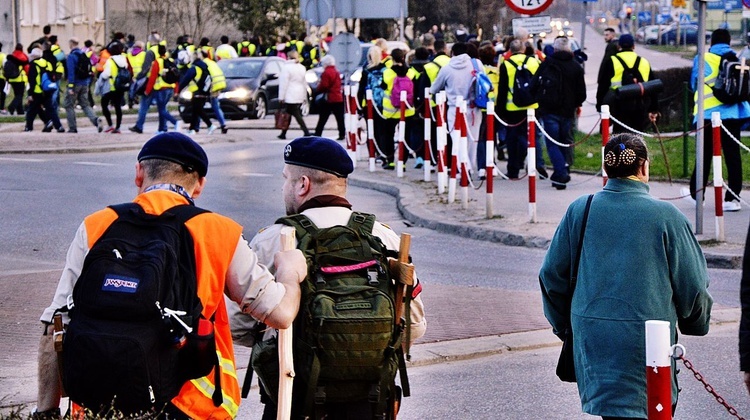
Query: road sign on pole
347, 52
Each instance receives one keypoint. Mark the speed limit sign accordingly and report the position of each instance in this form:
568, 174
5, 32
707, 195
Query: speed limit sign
528, 7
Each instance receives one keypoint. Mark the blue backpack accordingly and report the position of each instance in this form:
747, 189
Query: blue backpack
375, 83
481, 87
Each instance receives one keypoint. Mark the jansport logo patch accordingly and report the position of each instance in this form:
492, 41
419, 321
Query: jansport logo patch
120, 284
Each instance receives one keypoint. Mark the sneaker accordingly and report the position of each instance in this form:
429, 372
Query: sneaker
60, 130
3, 112
27, 129
72, 130
177, 125
135, 129
482, 173
159, 132
99, 126
389, 165
211, 129
419, 163
733, 205
224, 129
281, 137
47, 128
109, 129
685, 195
116, 131
541, 173
191, 132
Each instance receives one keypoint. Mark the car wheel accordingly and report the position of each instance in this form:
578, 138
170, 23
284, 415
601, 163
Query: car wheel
261, 107
304, 109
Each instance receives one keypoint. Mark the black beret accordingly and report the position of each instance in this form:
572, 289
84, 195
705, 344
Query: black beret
319, 153
178, 148
626, 41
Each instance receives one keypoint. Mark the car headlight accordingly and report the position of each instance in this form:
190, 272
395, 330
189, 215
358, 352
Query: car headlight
240, 93
186, 95
311, 77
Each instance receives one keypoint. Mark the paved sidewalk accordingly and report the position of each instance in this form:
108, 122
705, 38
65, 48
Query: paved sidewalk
507, 320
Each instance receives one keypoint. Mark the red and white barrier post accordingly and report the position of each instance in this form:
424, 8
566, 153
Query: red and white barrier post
464, 158
605, 138
531, 162
718, 176
427, 136
348, 124
353, 123
455, 151
490, 157
370, 130
658, 370
442, 141
401, 137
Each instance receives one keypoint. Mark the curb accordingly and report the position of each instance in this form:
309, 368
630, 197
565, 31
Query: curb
405, 201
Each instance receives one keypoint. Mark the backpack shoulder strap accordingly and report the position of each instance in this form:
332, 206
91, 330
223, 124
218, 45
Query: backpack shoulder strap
186, 212
301, 224
622, 62
362, 222
525, 60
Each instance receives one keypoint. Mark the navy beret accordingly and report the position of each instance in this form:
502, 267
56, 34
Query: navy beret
178, 148
319, 153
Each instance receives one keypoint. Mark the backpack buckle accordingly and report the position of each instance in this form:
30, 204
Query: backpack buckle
359, 218
372, 276
305, 222
374, 395
319, 280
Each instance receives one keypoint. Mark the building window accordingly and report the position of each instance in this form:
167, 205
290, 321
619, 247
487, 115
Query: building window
100, 10
29, 12
78, 11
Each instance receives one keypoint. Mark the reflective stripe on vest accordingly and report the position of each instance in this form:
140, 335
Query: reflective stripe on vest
511, 64
42, 65
629, 58
709, 101
193, 85
218, 81
207, 388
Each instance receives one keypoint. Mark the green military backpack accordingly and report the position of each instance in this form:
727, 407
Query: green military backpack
347, 342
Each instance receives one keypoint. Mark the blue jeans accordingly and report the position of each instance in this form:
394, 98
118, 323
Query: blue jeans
517, 144
162, 99
217, 110
145, 104
558, 128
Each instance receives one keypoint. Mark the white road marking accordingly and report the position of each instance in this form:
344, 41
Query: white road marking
23, 159
94, 163
254, 174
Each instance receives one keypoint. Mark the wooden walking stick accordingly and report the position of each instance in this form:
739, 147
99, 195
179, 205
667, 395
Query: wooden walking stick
286, 362
404, 275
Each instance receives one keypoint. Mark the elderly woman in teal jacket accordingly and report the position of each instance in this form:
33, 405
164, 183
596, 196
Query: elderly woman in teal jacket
640, 261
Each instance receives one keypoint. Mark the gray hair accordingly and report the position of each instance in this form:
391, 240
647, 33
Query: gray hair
516, 46
328, 61
562, 43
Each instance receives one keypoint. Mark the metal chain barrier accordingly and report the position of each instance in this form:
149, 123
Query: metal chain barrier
497, 117
709, 388
729, 190
541, 128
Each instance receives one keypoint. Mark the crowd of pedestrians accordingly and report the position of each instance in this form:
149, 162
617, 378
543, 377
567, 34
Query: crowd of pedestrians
126, 73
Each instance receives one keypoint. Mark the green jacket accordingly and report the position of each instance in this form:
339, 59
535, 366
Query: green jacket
640, 261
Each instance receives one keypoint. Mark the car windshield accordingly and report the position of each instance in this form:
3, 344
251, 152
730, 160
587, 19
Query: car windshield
241, 69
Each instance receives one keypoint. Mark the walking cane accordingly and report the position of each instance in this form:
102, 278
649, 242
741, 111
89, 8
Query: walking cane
286, 362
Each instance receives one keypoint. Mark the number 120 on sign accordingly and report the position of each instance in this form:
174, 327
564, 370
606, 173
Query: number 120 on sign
528, 7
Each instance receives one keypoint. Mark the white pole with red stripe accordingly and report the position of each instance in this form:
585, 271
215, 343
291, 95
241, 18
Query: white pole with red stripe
718, 176
490, 157
658, 370
427, 137
348, 125
605, 138
401, 137
370, 130
454, 151
463, 148
442, 141
531, 162
353, 121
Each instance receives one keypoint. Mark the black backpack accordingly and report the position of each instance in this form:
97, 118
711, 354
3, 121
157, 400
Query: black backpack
83, 66
731, 85
123, 79
170, 74
630, 75
11, 68
522, 85
122, 348
347, 342
548, 88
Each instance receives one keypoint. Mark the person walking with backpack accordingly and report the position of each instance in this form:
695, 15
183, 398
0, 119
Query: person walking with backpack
211, 261
314, 193
293, 91
560, 90
37, 98
118, 76
396, 79
197, 80
333, 102
372, 79
627, 67
14, 72
431, 70
79, 78
733, 117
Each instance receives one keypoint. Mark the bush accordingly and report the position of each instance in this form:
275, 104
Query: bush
672, 99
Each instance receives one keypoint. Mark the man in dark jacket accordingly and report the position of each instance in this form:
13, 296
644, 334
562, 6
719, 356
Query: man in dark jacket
612, 48
560, 90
